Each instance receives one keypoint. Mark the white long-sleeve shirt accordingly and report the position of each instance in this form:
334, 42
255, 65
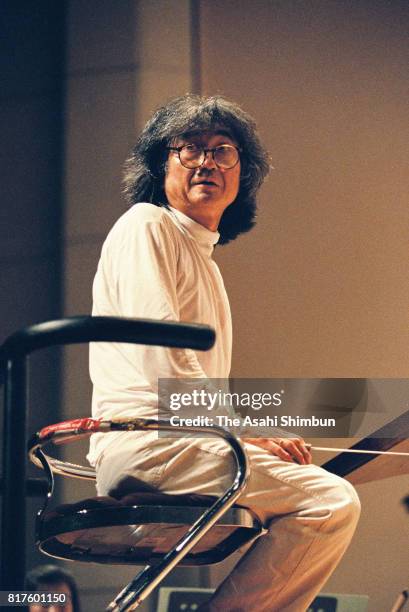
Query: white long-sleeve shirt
155, 263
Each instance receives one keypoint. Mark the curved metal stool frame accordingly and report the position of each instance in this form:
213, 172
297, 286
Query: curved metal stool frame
14, 374
14, 362
144, 583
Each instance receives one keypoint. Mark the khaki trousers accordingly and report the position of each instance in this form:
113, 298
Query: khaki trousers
310, 514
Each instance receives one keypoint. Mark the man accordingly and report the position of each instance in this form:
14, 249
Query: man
55, 580
193, 179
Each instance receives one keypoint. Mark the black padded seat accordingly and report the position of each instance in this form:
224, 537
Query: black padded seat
140, 528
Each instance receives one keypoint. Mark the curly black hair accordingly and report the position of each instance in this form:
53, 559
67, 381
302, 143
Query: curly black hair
145, 168
53, 575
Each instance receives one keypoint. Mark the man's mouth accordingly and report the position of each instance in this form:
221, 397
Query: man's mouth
205, 183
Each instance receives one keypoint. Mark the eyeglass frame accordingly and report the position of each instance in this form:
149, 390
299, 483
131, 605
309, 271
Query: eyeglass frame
205, 152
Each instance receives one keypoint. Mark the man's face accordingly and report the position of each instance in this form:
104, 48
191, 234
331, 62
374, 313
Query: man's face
205, 192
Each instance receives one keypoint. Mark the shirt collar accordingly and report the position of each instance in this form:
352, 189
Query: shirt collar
203, 236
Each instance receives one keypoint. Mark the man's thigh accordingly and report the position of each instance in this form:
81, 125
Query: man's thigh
275, 487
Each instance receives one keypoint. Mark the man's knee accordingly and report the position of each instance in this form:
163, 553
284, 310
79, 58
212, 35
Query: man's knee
347, 507
354, 503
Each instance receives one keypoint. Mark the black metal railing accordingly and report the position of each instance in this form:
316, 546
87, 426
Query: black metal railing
13, 359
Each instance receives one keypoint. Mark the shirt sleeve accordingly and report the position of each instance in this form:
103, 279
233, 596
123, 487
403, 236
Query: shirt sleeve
139, 268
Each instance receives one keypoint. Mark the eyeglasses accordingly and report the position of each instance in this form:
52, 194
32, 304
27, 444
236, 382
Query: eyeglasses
192, 156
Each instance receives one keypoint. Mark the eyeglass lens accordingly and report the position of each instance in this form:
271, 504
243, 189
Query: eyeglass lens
225, 156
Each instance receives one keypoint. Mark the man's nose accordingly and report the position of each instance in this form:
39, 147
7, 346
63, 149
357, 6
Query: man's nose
208, 161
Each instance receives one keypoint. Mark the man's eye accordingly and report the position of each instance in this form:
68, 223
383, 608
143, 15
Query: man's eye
191, 148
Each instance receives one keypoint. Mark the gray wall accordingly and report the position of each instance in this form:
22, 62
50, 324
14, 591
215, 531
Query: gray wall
325, 291
326, 266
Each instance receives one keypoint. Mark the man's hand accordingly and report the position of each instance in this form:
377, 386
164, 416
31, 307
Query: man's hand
290, 449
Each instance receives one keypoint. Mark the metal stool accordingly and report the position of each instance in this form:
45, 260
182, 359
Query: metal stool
57, 530
166, 529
